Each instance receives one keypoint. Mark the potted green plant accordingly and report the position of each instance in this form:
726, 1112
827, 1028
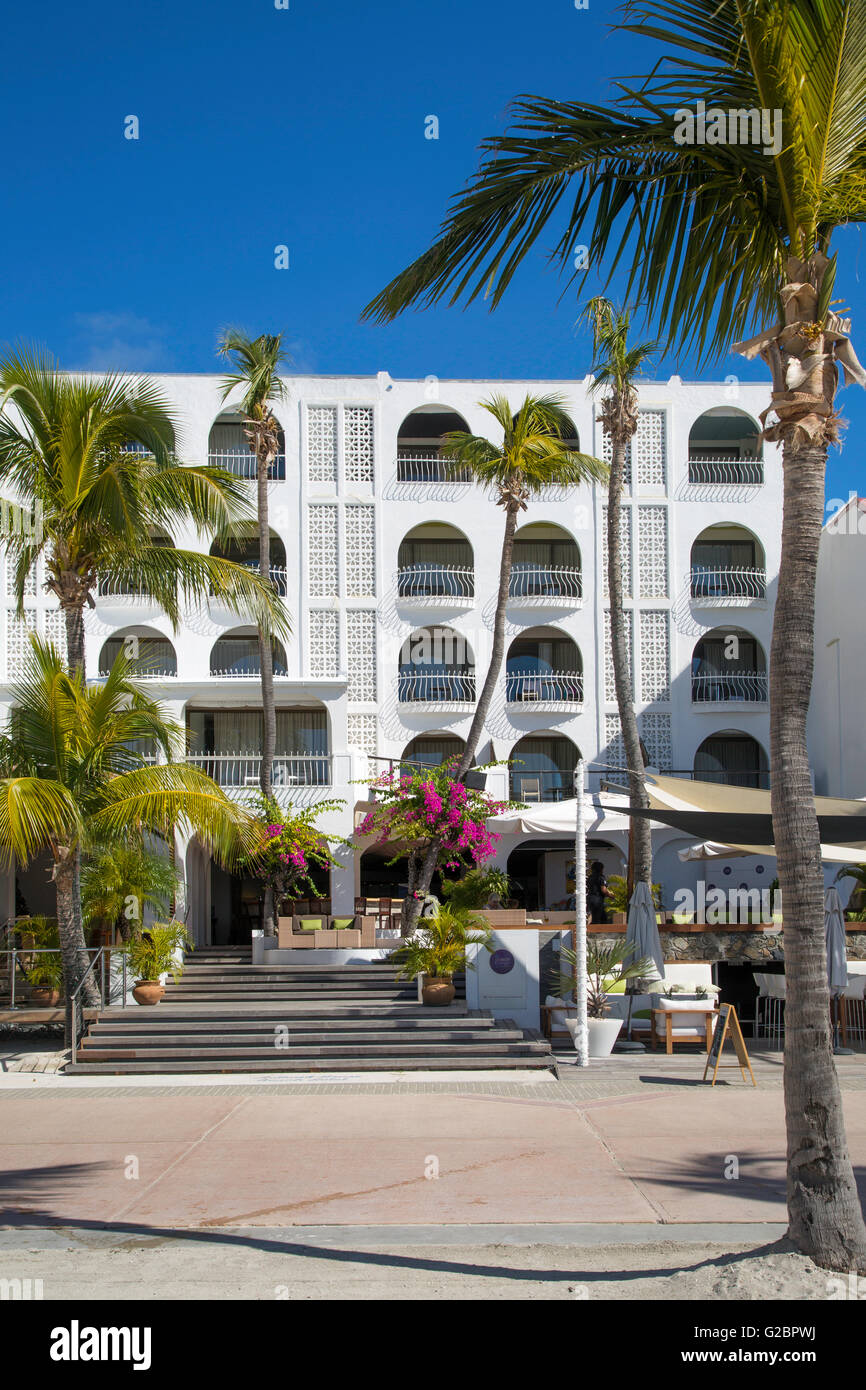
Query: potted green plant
45, 977
152, 955
607, 966
437, 951
44, 969
617, 902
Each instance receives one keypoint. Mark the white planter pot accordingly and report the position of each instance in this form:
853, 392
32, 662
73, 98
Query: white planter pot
603, 1033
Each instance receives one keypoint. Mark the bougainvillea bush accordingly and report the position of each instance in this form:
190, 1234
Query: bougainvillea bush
292, 847
415, 810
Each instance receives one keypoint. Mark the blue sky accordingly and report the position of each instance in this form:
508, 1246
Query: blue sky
303, 127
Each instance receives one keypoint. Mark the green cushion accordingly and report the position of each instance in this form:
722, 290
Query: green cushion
641, 1013
340, 923
310, 923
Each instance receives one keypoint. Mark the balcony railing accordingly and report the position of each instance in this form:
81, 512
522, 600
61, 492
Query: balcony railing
549, 784
278, 576
422, 581
118, 588
146, 673
244, 769
726, 472
427, 466
732, 687
729, 583
544, 688
243, 464
251, 672
545, 582
420, 687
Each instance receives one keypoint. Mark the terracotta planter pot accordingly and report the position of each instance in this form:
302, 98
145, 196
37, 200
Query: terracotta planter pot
148, 991
44, 997
437, 992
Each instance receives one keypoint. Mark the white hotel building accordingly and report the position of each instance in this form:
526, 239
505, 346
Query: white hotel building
372, 543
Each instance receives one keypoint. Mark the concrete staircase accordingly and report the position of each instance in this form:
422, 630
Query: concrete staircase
226, 1015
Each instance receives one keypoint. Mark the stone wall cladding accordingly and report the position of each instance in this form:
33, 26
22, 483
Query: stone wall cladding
738, 948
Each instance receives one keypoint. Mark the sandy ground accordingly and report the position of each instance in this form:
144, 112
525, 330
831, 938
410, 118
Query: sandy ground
166, 1268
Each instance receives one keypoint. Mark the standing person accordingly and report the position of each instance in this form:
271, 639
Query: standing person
596, 892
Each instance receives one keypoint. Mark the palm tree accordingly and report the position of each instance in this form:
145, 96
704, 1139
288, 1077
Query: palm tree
257, 362
122, 877
94, 460
614, 372
720, 238
534, 455
72, 774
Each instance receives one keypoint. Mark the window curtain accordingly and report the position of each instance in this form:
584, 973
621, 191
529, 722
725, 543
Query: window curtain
435, 552
431, 752
739, 759
546, 554
228, 439
723, 555
713, 662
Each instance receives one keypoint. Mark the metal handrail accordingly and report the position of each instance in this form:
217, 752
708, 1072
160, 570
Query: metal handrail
74, 1008
730, 581
422, 465
544, 687
545, 581
726, 472
713, 688
434, 580
436, 687
243, 769
243, 463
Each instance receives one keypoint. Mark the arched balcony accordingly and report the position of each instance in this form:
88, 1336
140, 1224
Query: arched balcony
725, 449
418, 445
728, 568
732, 758
545, 568
243, 549
729, 668
435, 565
236, 656
437, 670
229, 448
154, 655
542, 768
543, 671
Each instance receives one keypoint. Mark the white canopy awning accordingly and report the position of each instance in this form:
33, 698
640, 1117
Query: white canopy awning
604, 813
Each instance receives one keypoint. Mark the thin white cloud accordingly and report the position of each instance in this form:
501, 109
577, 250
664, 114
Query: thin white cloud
107, 342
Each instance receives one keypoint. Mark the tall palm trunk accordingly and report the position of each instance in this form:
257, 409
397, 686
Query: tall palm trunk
823, 1208
70, 929
639, 831
497, 653
73, 615
269, 714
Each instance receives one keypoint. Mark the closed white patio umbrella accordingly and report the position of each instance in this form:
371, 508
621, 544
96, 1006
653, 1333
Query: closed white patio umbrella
642, 934
837, 958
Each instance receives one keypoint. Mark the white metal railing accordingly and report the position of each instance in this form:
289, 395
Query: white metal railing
544, 687
428, 466
436, 687
726, 472
119, 588
243, 464
435, 581
728, 582
253, 672
150, 673
544, 582
710, 688
278, 576
244, 769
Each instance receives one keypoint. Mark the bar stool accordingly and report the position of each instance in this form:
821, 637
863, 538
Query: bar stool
762, 999
777, 992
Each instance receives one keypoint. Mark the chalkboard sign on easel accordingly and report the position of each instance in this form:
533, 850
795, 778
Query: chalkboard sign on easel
728, 1026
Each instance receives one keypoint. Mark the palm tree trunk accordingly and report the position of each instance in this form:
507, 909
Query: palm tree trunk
269, 714
824, 1212
70, 928
74, 619
497, 653
640, 835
